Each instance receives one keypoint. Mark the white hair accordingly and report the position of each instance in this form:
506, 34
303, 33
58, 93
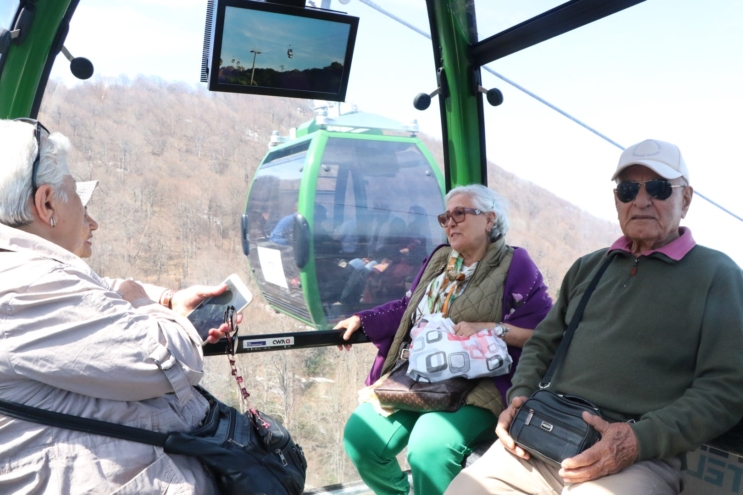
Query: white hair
18, 150
486, 200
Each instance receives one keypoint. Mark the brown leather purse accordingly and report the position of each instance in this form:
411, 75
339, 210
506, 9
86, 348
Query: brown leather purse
399, 391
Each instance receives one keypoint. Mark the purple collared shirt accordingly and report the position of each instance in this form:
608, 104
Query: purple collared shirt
525, 304
675, 249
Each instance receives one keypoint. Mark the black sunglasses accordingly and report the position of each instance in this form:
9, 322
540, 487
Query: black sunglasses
38, 127
657, 188
458, 214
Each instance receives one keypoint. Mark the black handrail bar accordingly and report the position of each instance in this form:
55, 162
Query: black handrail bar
285, 341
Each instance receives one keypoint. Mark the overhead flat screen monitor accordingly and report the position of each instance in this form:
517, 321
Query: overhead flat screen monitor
269, 49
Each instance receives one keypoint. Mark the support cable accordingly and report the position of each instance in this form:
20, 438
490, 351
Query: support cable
376, 7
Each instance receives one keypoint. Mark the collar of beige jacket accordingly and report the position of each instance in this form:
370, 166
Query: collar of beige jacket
19, 241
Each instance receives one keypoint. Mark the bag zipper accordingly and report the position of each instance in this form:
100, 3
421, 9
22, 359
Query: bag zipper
279, 453
558, 423
231, 430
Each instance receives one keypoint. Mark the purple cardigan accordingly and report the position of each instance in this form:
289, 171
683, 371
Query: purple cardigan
525, 304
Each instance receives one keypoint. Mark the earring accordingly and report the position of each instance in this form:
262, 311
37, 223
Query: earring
52, 222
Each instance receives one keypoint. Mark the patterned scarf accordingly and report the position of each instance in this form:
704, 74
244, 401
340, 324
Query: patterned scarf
444, 289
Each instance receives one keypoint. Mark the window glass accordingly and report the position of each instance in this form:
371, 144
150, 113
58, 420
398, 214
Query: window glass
7, 12
494, 17
624, 76
271, 210
629, 76
175, 163
377, 203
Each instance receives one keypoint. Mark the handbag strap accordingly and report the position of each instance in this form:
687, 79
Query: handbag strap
85, 425
568, 335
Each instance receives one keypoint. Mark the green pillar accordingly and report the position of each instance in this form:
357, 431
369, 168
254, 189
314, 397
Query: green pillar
25, 63
455, 30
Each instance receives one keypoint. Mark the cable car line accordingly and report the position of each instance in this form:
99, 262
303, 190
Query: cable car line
376, 7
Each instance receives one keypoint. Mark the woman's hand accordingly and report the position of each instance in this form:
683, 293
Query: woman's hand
217, 333
504, 423
467, 329
351, 325
184, 301
130, 291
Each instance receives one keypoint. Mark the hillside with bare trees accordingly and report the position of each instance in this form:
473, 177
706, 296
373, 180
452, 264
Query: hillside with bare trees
175, 165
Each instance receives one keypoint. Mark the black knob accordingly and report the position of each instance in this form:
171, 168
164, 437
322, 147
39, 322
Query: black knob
81, 67
422, 101
494, 96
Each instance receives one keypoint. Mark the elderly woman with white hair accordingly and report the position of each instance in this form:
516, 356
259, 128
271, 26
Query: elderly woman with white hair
76, 343
478, 281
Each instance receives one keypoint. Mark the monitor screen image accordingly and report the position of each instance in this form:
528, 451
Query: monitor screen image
277, 50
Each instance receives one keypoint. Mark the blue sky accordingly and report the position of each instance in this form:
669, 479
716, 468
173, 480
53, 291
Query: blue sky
315, 43
664, 69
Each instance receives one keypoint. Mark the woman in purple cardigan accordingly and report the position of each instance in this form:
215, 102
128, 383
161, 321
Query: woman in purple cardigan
479, 282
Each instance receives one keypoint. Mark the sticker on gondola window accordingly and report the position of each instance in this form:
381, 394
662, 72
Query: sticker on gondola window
272, 267
274, 342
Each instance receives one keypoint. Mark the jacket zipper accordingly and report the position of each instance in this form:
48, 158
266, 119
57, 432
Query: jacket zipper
632, 273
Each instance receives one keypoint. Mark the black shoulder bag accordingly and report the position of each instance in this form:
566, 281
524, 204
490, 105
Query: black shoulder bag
550, 426
245, 454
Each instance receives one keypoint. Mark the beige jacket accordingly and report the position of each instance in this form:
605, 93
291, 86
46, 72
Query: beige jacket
71, 344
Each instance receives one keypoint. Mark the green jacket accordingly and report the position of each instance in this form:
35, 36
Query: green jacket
663, 346
482, 300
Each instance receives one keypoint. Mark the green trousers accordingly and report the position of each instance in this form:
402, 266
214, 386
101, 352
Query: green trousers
437, 443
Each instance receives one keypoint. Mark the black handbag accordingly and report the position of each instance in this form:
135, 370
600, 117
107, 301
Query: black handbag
246, 454
550, 426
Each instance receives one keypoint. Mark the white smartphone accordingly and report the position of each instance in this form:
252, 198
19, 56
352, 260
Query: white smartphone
210, 313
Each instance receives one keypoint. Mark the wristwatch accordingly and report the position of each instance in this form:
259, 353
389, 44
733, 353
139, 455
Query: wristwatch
501, 330
166, 298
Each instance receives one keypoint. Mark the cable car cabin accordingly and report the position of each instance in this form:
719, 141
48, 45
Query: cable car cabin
340, 218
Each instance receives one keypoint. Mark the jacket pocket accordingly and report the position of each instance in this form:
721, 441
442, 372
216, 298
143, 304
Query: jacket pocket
162, 477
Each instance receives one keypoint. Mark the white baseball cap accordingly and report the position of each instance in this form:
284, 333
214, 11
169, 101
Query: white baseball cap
85, 190
662, 158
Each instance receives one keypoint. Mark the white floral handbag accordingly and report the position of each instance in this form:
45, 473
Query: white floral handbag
437, 354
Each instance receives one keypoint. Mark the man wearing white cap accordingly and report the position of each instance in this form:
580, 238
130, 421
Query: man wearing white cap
658, 349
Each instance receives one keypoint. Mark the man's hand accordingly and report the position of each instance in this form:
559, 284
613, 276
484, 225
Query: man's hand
351, 325
466, 329
504, 422
184, 301
616, 450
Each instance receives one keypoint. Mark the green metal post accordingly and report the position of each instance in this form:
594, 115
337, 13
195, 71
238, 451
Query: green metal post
25, 63
452, 32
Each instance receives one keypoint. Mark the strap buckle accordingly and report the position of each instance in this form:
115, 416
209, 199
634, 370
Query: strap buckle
405, 351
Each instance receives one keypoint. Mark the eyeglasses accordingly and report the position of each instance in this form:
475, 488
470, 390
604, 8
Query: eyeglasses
38, 127
657, 188
458, 214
